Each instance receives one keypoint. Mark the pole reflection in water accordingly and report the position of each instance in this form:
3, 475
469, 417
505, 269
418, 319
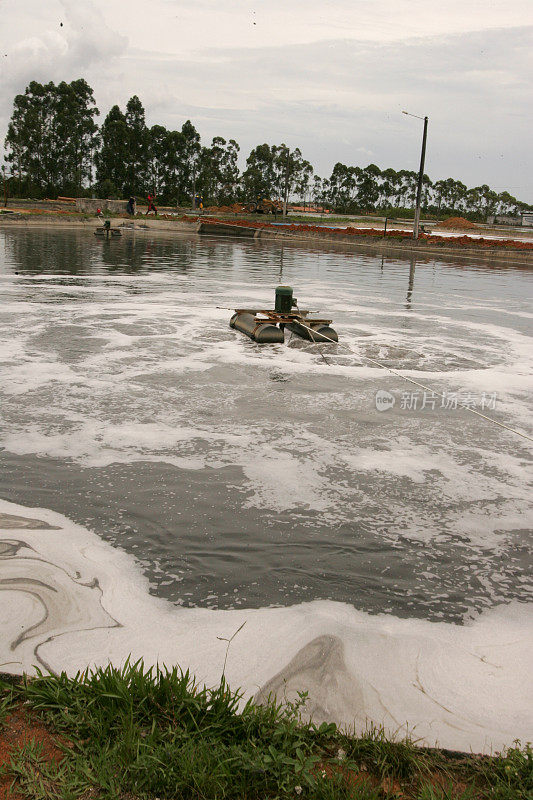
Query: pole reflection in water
411, 283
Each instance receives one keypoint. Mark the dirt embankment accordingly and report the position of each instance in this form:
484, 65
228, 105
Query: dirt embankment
404, 236
21, 729
393, 242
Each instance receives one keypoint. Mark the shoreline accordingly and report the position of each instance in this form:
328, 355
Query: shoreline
55, 728
390, 246
75, 602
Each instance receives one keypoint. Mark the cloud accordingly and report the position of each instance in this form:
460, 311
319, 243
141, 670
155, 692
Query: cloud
69, 51
181, 26
341, 100
331, 79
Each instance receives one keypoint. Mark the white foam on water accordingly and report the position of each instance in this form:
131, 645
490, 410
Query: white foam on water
282, 481
163, 379
71, 600
128, 398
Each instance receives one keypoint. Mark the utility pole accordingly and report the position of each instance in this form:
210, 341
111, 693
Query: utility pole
420, 174
420, 180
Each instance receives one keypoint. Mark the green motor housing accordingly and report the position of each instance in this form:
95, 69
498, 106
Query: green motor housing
284, 300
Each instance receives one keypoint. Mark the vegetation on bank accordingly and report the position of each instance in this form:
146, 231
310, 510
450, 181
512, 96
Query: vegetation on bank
136, 733
54, 147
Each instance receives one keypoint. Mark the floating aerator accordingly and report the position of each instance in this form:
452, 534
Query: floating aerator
266, 327
107, 231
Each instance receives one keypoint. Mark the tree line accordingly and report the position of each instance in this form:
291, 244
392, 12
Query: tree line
55, 147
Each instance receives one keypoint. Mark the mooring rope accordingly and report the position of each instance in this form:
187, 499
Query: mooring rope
422, 386
403, 377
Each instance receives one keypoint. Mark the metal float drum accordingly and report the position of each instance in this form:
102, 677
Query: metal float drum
261, 332
314, 333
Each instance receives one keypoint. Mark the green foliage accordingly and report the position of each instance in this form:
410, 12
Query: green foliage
5, 707
53, 144
431, 792
275, 171
154, 733
137, 150
512, 774
335, 787
111, 157
218, 173
35, 776
379, 753
51, 137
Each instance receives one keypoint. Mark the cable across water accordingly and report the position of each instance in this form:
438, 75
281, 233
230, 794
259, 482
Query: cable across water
417, 383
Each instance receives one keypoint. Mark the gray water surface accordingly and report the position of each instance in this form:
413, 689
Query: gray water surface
247, 475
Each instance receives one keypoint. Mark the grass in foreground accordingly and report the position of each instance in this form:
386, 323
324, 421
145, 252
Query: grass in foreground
150, 733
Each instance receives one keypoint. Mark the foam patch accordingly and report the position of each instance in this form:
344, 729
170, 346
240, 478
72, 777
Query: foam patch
70, 600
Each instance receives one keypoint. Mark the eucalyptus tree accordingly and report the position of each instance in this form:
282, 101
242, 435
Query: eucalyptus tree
482, 200
53, 146
275, 171
449, 194
158, 148
187, 158
400, 187
388, 179
30, 137
368, 186
293, 171
172, 167
318, 190
490, 201
302, 185
410, 184
52, 135
427, 186
507, 204
225, 155
260, 175
341, 186
112, 155
218, 173
75, 134
206, 178
138, 143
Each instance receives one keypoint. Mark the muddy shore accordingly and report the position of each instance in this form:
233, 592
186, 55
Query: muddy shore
392, 246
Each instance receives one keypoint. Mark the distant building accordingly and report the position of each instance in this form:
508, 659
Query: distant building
503, 219
525, 219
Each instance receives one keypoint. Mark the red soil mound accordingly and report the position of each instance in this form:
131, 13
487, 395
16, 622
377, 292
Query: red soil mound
457, 222
235, 208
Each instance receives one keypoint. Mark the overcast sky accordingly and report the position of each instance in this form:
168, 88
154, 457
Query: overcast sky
330, 77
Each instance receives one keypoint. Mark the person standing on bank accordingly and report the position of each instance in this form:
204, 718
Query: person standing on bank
151, 205
130, 208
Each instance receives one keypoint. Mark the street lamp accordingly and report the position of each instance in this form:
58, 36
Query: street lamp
420, 173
